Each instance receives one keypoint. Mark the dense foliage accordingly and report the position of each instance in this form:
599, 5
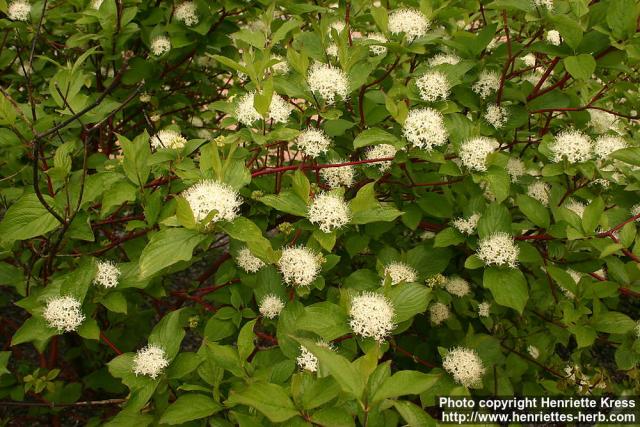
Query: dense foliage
312, 213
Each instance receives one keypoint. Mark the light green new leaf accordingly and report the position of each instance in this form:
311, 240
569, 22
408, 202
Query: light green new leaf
405, 382
581, 67
270, 399
325, 319
188, 407
374, 136
365, 208
168, 333
413, 414
168, 247
27, 218
613, 322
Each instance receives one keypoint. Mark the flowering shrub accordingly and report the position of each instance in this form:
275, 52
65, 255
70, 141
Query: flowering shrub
254, 213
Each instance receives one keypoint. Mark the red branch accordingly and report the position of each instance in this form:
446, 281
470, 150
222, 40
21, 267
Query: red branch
106, 340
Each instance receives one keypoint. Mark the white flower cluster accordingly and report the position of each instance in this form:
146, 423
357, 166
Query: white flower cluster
371, 316
529, 60
19, 10
160, 45
280, 67
544, 3
498, 249
107, 274
150, 360
601, 121
313, 142
187, 13
488, 83
209, 195
168, 138
411, 22
332, 50
572, 145
539, 190
496, 116
533, 351
328, 82
457, 286
307, 360
484, 309
466, 225
553, 37
607, 144
400, 272
424, 128
438, 313
575, 206
433, 85
338, 176
381, 151
377, 49
474, 152
329, 212
271, 306
95, 4
436, 280
515, 168
246, 113
465, 366
444, 58
635, 211
299, 266
63, 313
637, 329
248, 261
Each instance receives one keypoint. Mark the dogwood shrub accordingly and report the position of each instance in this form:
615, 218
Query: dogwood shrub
315, 213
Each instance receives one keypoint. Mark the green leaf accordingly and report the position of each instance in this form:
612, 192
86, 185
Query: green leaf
580, 67
168, 247
245, 340
374, 136
403, 383
495, 218
188, 407
184, 214
570, 29
183, 364
301, 185
286, 201
33, 329
592, 214
627, 155
334, 417
585, 335
4, 361
115, 301
270, 399
408, 299
89, 329
499, 182
508, 287
227, 357
413, 415
136, 158
448, 237
245, 230
168, 333
325, 319
613, 322
254, 38
533, 210
27, 218
344, 372
622, 16
365, 208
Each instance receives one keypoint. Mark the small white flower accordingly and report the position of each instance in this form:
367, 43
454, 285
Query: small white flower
338, 176
95, 4
381, 151
19, 10
411, 22
457, 286
271, 306
313, 142
572, 145
307, 360
145, 97
425, 129
328, 82
329, 212
493, 44
63, 313
299, 266
150, 361
209, 195
281, 67
438, 313
539, 190
107, 274
533, 351
637, 329
444, 58
339, 26
496, 116
488, 83
635, 211
160, 45
498, 249
187, 13
601, 121
248, 261
553, 37
465, 366
575, 206
576, 276
529, 60
375, 48
400, 272
436, 280
433, 85
168, 139
466, 225
332, 50
544, 3
607, 144
484, 309
515, 168
474, 152
371, 316
279, 109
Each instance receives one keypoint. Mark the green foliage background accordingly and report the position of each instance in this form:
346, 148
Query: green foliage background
81, 93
